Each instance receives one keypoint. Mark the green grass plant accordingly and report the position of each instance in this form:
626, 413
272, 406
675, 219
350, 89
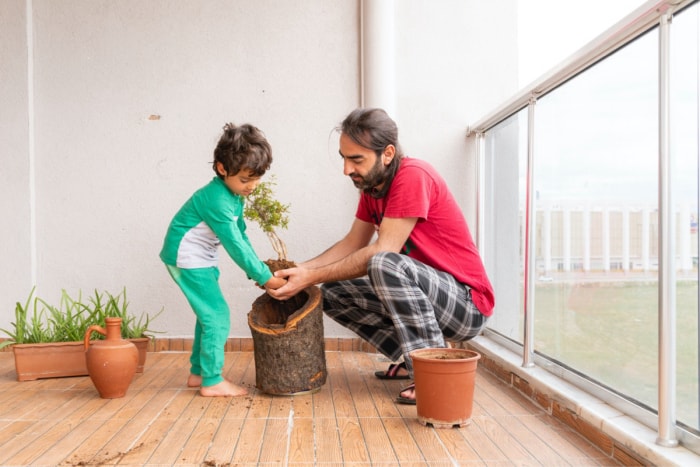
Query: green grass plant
37, 321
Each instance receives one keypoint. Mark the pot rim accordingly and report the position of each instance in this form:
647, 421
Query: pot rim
431, 353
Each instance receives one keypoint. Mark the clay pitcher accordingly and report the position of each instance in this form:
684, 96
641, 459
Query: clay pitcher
111, 363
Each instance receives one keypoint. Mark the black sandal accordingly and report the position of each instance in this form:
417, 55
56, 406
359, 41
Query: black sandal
405, 400
392, 372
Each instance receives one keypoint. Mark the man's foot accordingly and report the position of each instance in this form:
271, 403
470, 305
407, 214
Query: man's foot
395, 371
194, 381
223, 389
407, 395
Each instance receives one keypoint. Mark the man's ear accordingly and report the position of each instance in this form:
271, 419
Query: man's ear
388, 154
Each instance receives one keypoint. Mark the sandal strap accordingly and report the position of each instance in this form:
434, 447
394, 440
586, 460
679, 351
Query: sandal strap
410, 386
394, 368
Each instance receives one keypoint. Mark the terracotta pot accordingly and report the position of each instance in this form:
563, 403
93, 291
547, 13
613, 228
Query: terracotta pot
61, 359
445, 381
111, 363
49, 360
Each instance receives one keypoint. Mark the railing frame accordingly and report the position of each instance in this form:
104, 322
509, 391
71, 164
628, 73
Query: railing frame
648, 16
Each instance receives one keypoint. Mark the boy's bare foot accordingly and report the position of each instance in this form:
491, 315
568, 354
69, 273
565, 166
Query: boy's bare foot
223, 389
194, 381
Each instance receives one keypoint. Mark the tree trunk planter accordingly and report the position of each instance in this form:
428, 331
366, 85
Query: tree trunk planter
60, 359
445, 380
288, 343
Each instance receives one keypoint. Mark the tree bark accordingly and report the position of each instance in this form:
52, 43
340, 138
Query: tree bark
288, 343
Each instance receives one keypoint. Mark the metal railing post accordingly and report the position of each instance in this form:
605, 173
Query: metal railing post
481, 186
530, 215
667, 277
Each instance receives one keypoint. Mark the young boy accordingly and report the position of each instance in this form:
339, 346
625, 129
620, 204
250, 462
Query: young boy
213, 216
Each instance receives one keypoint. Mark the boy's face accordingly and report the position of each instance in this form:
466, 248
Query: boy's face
242, 183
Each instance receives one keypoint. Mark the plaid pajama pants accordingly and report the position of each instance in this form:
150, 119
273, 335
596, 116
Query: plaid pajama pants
403, 305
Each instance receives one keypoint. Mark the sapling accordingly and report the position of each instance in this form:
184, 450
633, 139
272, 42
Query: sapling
270, 214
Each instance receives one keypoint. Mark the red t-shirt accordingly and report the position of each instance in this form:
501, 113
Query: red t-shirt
441, 238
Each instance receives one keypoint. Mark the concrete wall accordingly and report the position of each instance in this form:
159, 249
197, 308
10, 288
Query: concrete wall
109, 112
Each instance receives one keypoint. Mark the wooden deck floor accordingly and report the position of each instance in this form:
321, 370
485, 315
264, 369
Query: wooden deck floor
351, 421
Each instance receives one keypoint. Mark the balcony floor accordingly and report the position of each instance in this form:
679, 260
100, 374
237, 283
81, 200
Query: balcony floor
352, 421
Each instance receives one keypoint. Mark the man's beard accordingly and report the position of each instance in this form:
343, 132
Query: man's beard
376, 176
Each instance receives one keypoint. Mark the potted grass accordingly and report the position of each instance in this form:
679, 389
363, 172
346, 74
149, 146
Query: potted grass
47, 340
288, 343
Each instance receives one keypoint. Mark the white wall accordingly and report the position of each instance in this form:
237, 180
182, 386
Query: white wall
109, 178
15, 260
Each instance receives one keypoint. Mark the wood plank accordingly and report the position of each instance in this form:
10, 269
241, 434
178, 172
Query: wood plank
86, 453
301, 446
169, 450
377, 441
427, 442
200, 440
250, 441
382, 392
260, 405
352, 443
503, 400
456, 443
68, 438
327, 441
552, 435
340, 391
507, 444
140, 449
224, 441
322, 401
303, 405
68, 409
485, 447
357, 387
351, 420
275, 440
9, 430
403, 441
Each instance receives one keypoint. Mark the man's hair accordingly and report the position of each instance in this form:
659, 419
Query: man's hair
372, 129
243, 147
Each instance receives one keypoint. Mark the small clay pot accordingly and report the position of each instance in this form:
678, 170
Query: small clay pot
111, 363
445, 380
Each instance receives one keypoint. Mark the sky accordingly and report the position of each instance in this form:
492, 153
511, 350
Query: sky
614, 102
549, 31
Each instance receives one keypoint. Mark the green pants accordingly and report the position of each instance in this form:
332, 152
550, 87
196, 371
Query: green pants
201, 288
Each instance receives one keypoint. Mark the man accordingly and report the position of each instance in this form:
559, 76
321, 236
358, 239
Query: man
422, 280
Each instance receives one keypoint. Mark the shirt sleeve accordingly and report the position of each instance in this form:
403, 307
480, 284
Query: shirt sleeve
225, 218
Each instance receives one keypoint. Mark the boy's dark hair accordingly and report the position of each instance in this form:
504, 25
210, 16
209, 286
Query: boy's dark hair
243, 147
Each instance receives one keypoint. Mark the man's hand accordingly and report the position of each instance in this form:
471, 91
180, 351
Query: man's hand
274, 283
297, 280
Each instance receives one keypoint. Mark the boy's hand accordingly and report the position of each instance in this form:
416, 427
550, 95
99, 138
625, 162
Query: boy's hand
274, 283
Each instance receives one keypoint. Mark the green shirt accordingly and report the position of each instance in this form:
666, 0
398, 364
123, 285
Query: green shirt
212, 216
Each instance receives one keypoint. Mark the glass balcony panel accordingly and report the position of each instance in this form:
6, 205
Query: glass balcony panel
596, 192
505, 148
685, 126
